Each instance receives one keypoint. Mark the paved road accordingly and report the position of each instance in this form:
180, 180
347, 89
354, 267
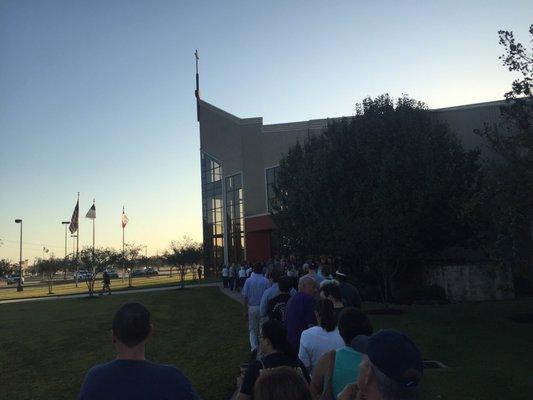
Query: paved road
117, 293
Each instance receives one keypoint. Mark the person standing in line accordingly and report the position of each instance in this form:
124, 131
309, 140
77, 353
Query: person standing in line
225, 276
241, 277
338, 368
232, 274
350, 294
300, 311
199, 270
277, 305
253, 290
106, 283
330, 290
313, 268
130, 376
318, 340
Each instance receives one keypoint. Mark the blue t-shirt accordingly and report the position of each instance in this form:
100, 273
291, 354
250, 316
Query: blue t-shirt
136, 379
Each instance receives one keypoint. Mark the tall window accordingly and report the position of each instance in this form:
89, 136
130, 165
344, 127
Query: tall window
234, 218
271, 183
212, 212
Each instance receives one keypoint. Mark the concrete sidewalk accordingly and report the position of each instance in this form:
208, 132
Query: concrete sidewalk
117, 293
237, 296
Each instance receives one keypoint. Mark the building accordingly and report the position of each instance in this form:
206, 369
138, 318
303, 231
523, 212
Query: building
240, 159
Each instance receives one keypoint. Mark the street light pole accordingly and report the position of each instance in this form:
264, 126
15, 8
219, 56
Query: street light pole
19, 286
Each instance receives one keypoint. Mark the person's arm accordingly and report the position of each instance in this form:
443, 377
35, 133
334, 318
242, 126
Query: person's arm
317, 380
263, 306
250, 376
304, 354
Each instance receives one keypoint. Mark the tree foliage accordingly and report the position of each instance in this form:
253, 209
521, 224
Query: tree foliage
184, 255
6, 267
49, 267
383, 188
510, 178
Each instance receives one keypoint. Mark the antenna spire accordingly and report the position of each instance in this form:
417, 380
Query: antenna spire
197, 91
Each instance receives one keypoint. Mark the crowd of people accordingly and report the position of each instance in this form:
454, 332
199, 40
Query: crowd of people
309, 339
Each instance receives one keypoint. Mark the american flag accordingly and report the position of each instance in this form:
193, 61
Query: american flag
73, 227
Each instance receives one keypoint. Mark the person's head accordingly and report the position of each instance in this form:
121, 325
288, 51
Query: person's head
313, 267
281, 383
273, 338
258, 268
131, 325
326, 270
284, 284
392, 365
308, 285
305, 268
275, 275
325, 314
352, 322
331, 291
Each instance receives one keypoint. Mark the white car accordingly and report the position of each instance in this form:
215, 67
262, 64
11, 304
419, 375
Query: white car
14, 280
82, 275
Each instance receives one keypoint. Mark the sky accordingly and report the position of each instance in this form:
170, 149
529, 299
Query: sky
97, 97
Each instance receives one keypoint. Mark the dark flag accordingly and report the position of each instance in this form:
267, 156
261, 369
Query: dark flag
74, 221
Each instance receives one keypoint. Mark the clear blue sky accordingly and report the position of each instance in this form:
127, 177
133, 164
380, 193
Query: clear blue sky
97, 96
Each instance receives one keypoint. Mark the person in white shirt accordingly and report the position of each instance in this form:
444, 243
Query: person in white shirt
320, 339
225, 276
242, 277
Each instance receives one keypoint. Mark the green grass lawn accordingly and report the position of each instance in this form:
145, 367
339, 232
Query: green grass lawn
489, 356
61, 288
47, 347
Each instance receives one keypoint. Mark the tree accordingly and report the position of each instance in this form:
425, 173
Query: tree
184, 255
6, 267
95, 262
382, 190
511, 176
48, 267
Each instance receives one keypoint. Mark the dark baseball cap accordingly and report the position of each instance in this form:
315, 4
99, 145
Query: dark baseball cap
394, 354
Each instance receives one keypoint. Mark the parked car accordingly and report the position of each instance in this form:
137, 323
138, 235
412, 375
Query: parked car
82, 275
149, 271
14, 280
112, 273
138, 272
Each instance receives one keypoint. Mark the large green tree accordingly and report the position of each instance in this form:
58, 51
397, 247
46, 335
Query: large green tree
381, 189
510, 176
184, 255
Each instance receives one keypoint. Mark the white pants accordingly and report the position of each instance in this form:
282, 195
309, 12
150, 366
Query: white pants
254, 326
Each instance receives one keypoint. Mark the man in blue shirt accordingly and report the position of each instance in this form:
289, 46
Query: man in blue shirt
253, 290
271, 292
130, 376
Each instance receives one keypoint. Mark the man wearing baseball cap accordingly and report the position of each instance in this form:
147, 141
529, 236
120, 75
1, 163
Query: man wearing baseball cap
391, 368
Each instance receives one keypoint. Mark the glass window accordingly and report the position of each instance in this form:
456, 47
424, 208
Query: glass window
234, 218
271, 175
212, 211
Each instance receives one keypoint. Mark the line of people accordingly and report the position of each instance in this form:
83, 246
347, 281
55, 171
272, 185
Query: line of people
316, 343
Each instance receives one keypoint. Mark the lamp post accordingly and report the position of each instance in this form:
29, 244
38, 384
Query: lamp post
19, 286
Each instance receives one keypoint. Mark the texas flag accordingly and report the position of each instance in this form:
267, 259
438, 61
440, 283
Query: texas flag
125, 219
91, 213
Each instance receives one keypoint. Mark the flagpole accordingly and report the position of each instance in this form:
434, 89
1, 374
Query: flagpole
94, 219
123, 265
78, 233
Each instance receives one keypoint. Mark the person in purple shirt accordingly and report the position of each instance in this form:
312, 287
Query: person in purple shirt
130, 376
253, 290
300, 310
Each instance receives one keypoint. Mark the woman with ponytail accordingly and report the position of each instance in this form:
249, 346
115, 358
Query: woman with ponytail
320, 339
276, 352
